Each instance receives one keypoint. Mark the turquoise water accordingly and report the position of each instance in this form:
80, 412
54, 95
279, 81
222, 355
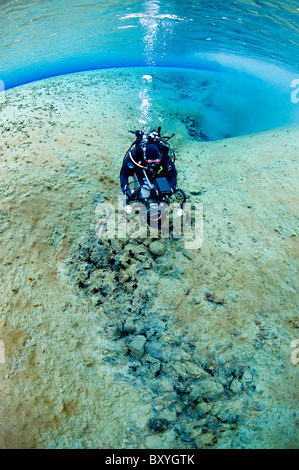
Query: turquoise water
253, 42
41, 38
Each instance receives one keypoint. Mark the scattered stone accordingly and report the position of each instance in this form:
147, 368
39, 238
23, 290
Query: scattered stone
203, 408
169, 414
247, 377
183, 390
189, 369
157, 248
129, 327
207, 388
136, 346
236, 386
180, 369
116, 332
140, 253
187, 255
214, 299
227, 416
204, 439
151, 366
156, 326
221, 360
194, 370
154, 348
196, 431
158, 425
224, 443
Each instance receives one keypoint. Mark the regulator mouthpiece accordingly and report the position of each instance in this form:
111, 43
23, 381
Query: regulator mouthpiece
180, 212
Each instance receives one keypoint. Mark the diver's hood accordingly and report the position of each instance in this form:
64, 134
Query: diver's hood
152, 154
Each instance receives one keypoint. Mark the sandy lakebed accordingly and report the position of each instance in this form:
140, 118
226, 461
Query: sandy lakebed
115, 344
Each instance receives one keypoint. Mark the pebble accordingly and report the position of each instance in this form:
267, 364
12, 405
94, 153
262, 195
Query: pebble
205, 439
247, 377
157, 248
158, 425
203, 408
154, 348
236, 386
208, 389
136, 346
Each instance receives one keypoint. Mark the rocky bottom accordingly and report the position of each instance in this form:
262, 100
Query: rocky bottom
195, 402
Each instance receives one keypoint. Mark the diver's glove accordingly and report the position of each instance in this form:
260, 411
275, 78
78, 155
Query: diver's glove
126, 190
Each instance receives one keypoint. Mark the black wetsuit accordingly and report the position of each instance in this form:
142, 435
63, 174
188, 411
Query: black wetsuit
166, 168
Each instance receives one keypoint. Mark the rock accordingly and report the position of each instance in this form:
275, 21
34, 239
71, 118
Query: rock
129, 327
221, 360
165, 441
131, 272
176, 273
105, 289
204, 439
169, 414
227, 416
224, 443
163, 268
223, 376
154, 348
157, 248
195, 432
208, 389
238, 372
158, 425
180, 369
136, 346
155, 327
140, 253
194, 370
236, 386
116, 332
151, 366
96, 279
178, 408
246, 378
189, 369
215, 298
203, 408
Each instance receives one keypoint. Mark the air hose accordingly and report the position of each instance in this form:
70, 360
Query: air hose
184, 197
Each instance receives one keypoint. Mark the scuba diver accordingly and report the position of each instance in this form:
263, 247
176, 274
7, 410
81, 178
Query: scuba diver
150, 154
150, 162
